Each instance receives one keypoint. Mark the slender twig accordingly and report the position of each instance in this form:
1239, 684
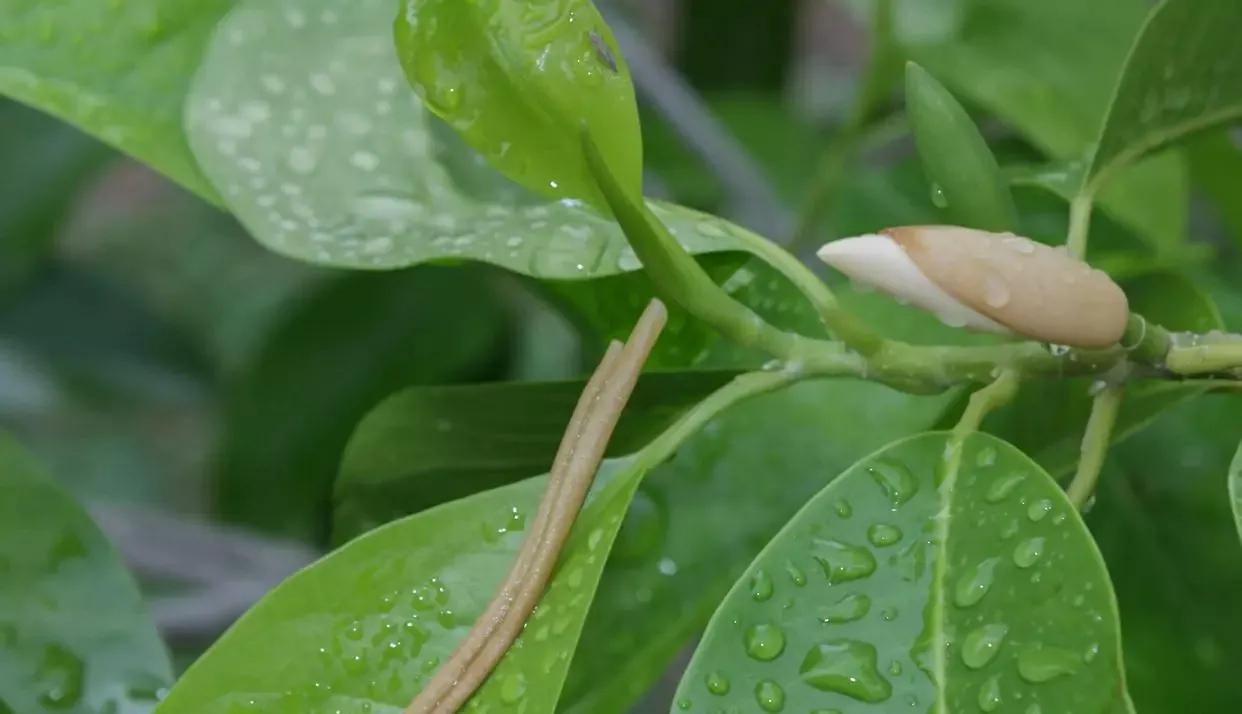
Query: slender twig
573, 471
1080, 224
1095, 443
983, 402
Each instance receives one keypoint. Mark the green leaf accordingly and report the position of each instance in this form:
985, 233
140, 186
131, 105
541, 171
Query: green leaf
1216, 167
325, 155
1235, 488
1047, 69
118, 71
963, 173
1171, 544
515, 79
1184, 74
427, 445
74, 635
907, 583
45, 164
333, 357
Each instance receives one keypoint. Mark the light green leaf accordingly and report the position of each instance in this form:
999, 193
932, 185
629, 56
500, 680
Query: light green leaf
516, 79
907, 583
117, 70
428, 445
1047, 69
326, 155
74, 635
1216, 167
333, 356
1235, 489
1183, 74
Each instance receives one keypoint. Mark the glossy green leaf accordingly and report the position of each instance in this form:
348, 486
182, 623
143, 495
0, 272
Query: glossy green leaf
517, 78
45, 162
74, 635
966, 182
909, 584
1047, 69
326, 155
333, 356
1183, 75
427, 445
1171, 543
1235, 489
117, 70
1216, 167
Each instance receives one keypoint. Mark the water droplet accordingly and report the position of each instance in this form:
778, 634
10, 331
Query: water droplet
882, 535
1039, 509
1028, 552
895, 668
975, 583
847, 609
843, 562
61, 675
846, 667
765, 642
938, 199
843, 508
1092, 652
996, 293
761, 588
770, 696
990, 694
1002, 487
898, 484
888, 614
684, 704
986, 457
795, 574
513, 688
718, 683
1019, 244
710, 229
982, 644
1041, 664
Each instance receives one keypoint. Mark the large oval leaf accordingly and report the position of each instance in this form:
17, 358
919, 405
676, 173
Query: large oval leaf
519, 80
74, 635
325, 154
909, 584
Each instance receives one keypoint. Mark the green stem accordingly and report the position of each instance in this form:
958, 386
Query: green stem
1080, 224
1209, 358
985, 401
1095, 443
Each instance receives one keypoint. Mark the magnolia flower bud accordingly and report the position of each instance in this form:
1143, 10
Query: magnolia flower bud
988, 281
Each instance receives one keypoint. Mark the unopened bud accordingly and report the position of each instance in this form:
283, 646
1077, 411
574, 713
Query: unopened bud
988, 281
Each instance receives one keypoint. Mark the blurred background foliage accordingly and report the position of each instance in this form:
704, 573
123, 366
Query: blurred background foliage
156, 358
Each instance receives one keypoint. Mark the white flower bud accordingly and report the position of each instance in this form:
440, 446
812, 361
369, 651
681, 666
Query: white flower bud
987, 281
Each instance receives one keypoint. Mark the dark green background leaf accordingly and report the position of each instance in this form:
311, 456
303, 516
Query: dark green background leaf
74, 635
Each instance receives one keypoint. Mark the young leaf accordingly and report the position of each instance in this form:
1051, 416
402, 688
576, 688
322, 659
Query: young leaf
325, 155
1235, 488
119, 71
910, 583
518, 78
74, 635
1184, 74
428, 445
965, 179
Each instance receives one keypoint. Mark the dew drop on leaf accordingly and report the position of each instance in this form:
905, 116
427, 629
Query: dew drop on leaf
990, 694
765, 642
848, 609
770, 696
1042, 664
718, 683
795, 574
898, 484
1038, 510
513, 688
61, 675
846, 667
982, 644
1028, 552
761, 587
938, 199
882, 535
843, 562
974, 583
1002, 487
843, 508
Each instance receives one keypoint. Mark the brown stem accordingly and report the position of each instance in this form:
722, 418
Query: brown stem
573, 471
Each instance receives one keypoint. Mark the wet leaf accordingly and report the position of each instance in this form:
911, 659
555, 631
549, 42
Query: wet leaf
1184, 74
74, 634
906, 583
517, 78
117, 70
325, 154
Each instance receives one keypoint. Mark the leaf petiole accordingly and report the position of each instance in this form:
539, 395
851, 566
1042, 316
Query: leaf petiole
1095, 443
